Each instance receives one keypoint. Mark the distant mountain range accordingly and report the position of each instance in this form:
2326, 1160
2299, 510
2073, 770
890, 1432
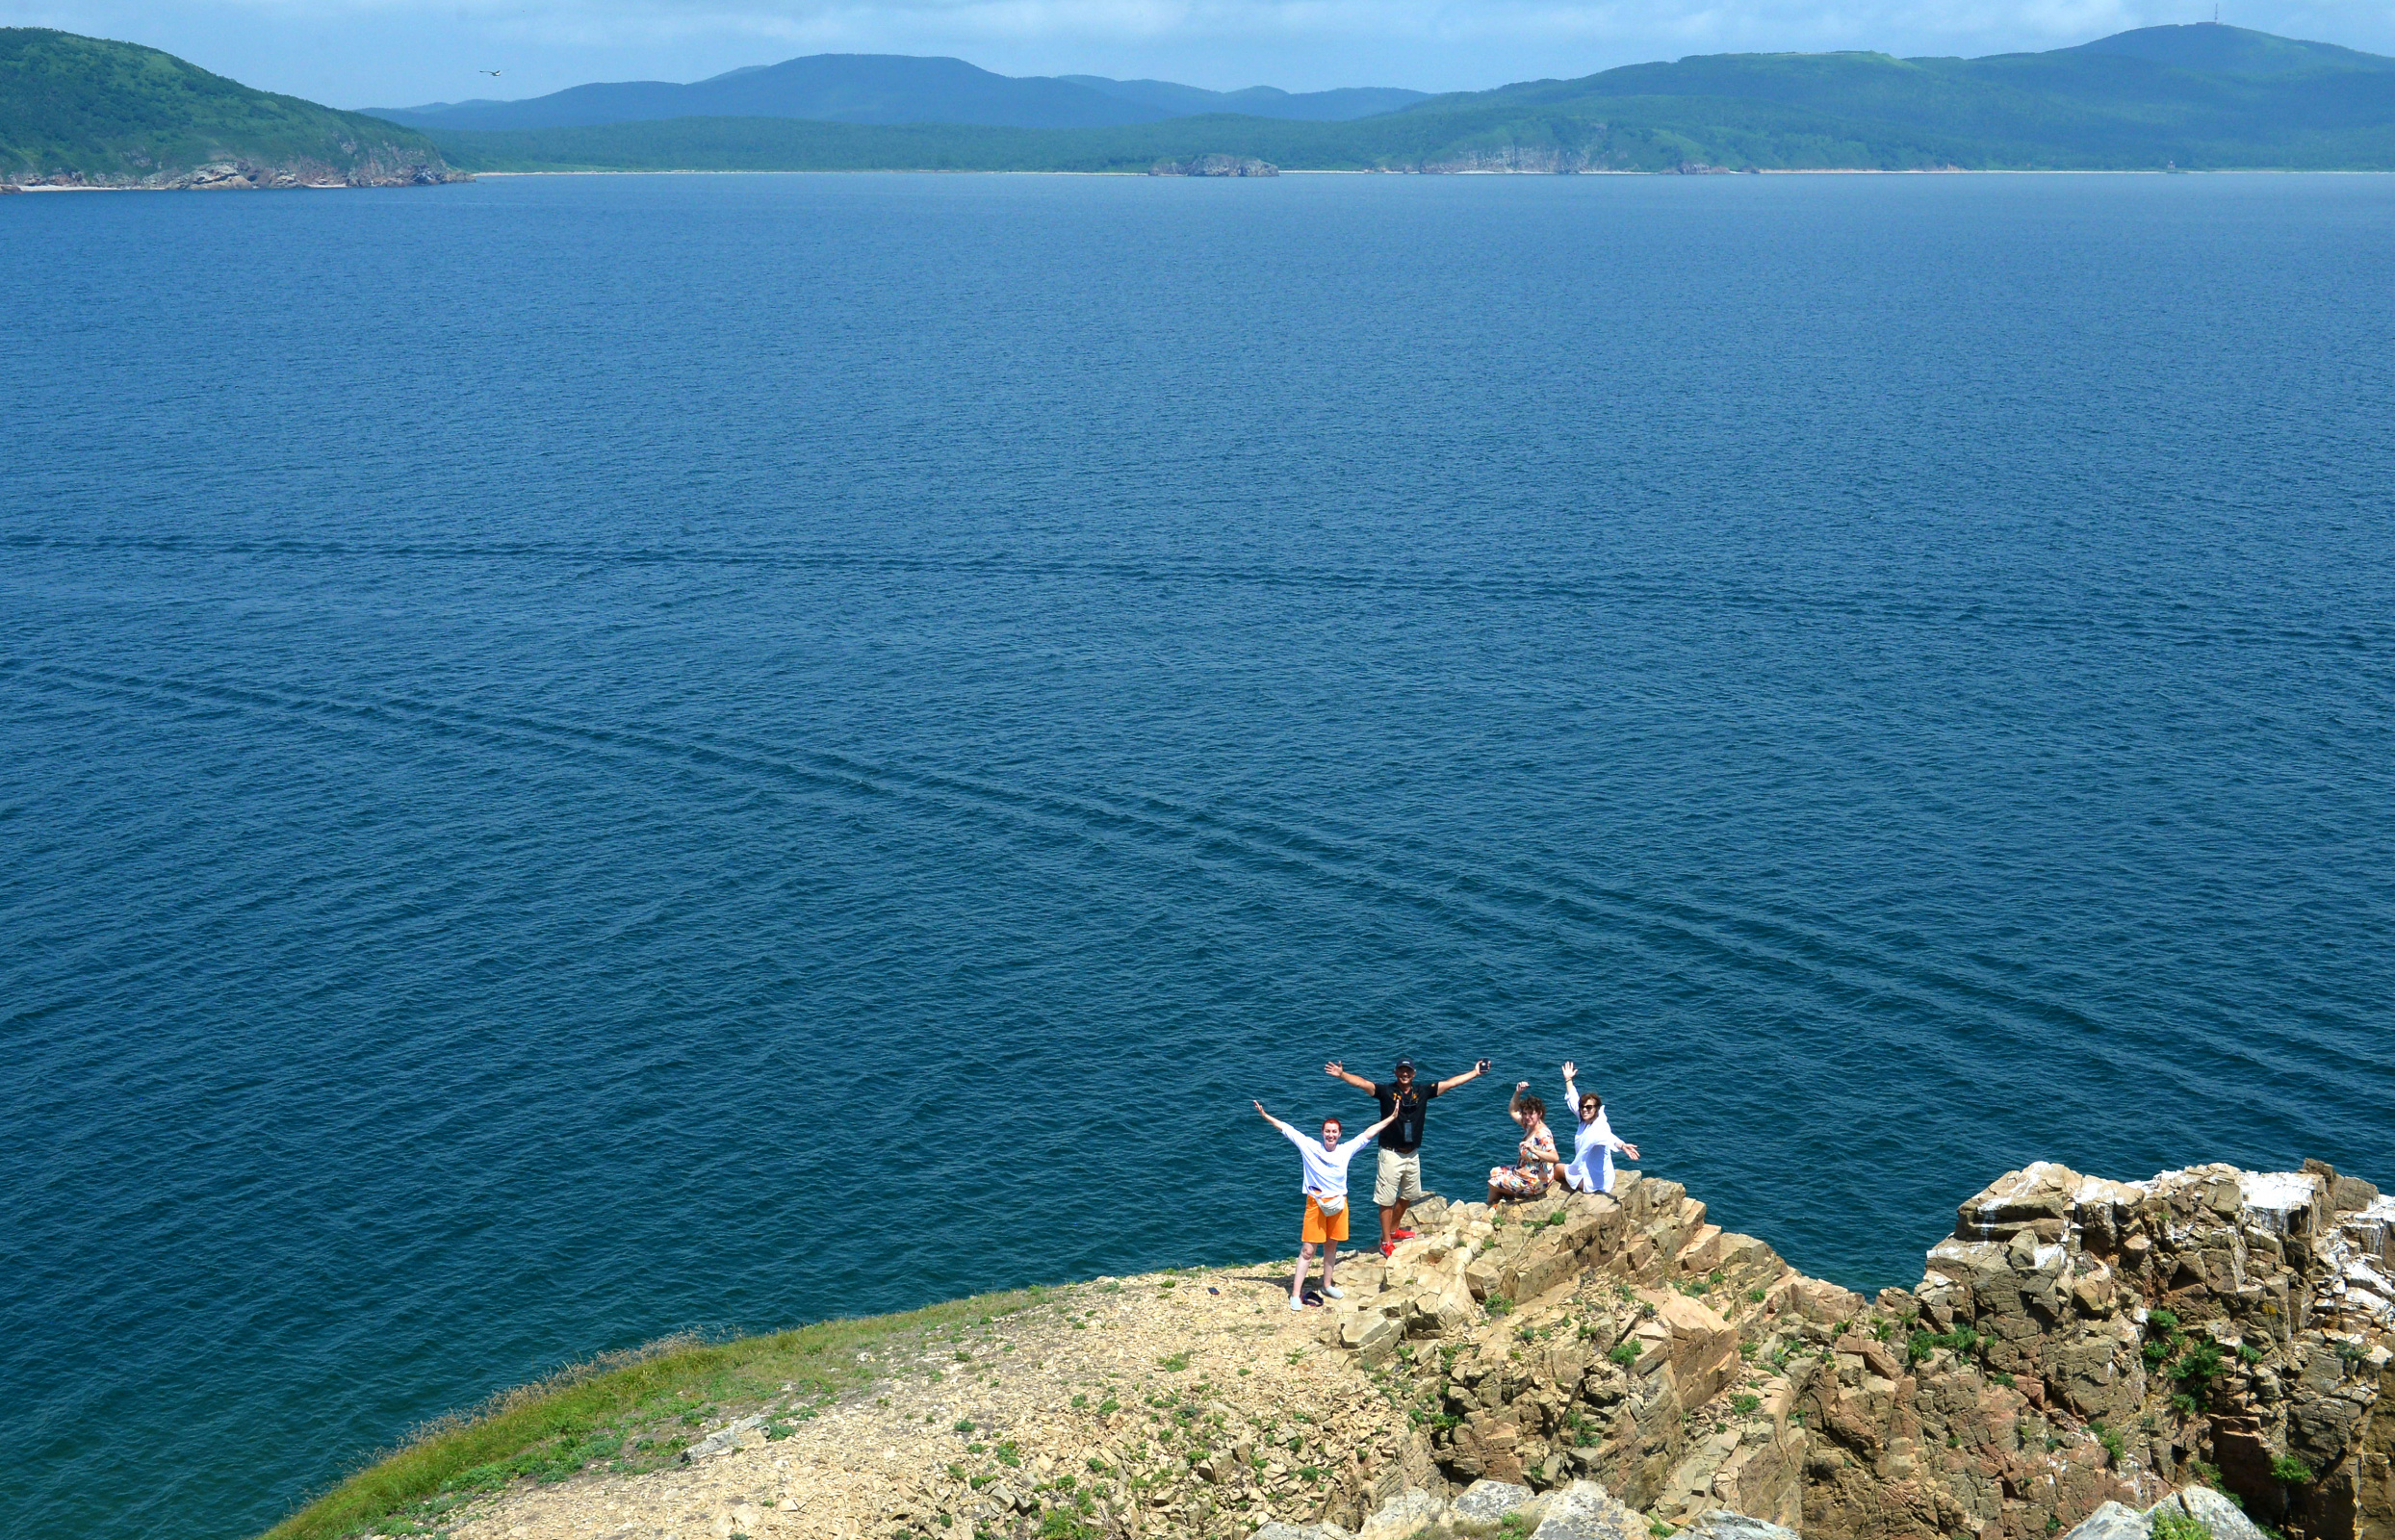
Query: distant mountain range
2201, 96
2197, 98
897, 89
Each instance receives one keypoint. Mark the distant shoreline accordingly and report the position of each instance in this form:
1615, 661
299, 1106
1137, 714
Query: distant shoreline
1809, 171
1853, 170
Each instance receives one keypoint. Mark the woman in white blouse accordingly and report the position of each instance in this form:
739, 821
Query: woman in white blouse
1592, 1169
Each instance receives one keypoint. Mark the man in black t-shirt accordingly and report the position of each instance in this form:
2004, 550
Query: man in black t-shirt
1397, 1183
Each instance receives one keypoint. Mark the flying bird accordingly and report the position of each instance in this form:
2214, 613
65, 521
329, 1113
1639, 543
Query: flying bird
493, 73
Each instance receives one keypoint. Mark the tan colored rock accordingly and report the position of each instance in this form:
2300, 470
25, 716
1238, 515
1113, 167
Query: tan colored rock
1684, 1367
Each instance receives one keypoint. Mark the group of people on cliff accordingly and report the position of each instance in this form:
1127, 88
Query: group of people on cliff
1397, 1184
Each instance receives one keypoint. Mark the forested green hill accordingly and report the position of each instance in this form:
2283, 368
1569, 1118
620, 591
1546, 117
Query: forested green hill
2135, 101
86, 110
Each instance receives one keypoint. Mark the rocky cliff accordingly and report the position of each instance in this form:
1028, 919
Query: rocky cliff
2074, 1341
2200, 1354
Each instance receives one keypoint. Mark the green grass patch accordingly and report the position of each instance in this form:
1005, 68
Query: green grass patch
1962, 1340
627, 1411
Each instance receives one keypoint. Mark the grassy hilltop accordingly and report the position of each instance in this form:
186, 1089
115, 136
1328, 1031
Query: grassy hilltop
2202, 96
86, 110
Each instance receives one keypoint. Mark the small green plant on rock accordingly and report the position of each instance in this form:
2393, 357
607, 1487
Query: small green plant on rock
2292, 1471
1062, 1524
2111, 1441
1747, 1405
1961, 1341
1625, 1355
2201, 1366
2171, 1524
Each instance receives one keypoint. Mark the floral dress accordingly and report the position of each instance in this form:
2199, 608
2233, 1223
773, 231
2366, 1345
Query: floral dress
1537, 1157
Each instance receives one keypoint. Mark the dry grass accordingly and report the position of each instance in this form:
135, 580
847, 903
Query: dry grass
626, 1411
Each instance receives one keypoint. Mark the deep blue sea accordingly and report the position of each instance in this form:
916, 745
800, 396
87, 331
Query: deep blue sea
582, 757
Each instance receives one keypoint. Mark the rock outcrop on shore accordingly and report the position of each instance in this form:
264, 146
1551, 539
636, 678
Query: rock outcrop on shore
1215, 165
244, 175
2204, 1353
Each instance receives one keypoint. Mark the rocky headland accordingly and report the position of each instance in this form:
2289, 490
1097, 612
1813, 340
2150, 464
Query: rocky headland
82, 112
2202, 1353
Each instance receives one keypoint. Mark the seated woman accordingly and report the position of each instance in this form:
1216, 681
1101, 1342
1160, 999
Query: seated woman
1535, 1158
1593, 1146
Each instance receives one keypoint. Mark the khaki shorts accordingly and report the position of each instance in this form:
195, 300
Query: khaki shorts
1399, 1179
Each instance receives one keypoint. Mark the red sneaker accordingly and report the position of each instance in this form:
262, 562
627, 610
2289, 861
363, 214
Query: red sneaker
1401, 1235
1388, 1248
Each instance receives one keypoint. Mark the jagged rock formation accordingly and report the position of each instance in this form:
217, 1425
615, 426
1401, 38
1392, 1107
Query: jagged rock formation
2075, 1342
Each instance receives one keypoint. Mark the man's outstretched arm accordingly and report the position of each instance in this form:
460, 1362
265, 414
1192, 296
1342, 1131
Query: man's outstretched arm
1452, 1080
1339, 1071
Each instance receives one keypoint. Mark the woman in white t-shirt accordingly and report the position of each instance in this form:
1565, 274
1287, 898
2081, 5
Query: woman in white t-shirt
1325, 1195
1594, 1145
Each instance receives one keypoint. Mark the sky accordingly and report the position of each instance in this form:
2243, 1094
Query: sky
401, 53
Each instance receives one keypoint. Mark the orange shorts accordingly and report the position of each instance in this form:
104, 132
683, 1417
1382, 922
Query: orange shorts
1323, 1228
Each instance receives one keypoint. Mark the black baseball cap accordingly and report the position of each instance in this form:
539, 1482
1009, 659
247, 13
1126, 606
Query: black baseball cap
1404, 1064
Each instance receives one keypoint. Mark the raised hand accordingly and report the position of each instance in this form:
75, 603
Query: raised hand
1630, 1149
1567, 1070
1259, 1110
1521, 1086
1334, 1069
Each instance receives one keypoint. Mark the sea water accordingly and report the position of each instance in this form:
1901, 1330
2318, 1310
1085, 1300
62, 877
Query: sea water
586, 758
